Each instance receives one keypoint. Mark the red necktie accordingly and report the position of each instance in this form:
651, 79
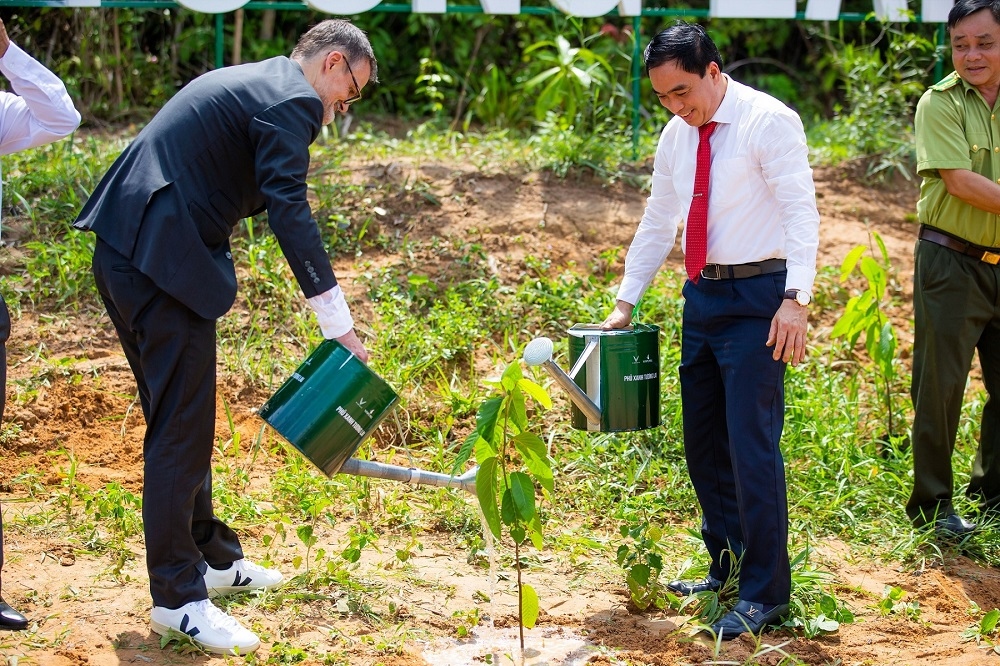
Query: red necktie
696, 243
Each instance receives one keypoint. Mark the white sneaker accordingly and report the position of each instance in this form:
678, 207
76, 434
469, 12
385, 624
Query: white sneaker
207, 626
242, 576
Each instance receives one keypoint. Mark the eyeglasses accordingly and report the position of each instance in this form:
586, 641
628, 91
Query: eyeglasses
357, 95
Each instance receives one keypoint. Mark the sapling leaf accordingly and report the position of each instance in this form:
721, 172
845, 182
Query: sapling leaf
886, 345
518, 410
535, 531
529, 606
510, 377
533, 453
522, 491
850, 261
486, 418
465, 452
881, 247
486, 491
507, 513
537, 393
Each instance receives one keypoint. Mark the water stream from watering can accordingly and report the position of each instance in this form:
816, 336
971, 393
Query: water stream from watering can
552, 646
491, 556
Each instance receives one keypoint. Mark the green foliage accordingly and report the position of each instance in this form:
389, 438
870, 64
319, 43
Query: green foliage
60, 273
814, 609
865, 315
642, 559
985, 632
430, 87
881, 82
570, 77
893, 603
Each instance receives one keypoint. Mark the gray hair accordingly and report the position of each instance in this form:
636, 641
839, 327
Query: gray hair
337, 35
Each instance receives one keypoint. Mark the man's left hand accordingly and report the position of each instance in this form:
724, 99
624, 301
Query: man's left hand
788, 332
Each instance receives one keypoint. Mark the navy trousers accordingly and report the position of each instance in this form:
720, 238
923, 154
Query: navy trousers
732, 393
171, 351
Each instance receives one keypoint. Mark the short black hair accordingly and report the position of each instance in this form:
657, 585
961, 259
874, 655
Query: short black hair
965, 8
686, 43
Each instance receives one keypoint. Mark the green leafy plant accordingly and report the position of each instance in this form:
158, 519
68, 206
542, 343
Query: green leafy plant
642, 560
814, 609
503, 446
985, 631
879, 80
865, 315
570, 79
893, 603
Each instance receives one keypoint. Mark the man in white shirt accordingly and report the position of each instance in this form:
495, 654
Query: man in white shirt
39, 111
745, 312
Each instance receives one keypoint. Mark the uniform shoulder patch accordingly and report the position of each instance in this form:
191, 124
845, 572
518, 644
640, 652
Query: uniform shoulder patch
947, 82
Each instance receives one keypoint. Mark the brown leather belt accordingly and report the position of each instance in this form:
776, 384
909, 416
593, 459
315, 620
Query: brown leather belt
987, 255
739, 271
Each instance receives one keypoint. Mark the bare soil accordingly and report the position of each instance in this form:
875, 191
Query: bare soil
84, 616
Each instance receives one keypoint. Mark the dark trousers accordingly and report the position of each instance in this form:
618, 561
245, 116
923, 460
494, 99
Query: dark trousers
956, 311
732, 392
4, 336
171, 351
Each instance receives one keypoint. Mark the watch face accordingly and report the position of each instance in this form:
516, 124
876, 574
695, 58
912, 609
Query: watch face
803, 297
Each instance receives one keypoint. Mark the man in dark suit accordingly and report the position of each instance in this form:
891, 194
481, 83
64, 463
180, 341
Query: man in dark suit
232, 143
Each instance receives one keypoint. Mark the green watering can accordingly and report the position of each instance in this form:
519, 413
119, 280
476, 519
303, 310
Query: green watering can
614, 383
330, 405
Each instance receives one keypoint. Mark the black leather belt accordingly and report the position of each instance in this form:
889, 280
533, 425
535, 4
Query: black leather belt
739, 271
989, 255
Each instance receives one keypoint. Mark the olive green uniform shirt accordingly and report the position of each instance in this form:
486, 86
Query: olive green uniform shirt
956, 130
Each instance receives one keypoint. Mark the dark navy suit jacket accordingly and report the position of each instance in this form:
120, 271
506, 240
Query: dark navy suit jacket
232, 143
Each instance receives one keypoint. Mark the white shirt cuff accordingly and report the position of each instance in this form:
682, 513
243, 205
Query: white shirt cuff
332, 313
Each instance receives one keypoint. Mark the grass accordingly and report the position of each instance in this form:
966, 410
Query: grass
436, 338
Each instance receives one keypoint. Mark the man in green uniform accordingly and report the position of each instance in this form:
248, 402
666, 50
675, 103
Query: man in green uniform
956, 282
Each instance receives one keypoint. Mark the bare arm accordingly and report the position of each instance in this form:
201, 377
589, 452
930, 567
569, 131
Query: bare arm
972, 188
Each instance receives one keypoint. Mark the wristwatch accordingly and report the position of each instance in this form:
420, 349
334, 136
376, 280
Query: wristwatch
800, 296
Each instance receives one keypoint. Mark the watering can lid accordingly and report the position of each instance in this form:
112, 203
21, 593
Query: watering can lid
589, 330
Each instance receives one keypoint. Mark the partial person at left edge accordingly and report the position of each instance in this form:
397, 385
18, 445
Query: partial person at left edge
37, 111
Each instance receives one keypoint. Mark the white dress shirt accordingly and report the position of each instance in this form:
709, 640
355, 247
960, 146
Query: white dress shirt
332, 313
762, 201
40, 112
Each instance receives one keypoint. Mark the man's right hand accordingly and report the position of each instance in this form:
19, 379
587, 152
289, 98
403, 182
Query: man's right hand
620, 317
353, 344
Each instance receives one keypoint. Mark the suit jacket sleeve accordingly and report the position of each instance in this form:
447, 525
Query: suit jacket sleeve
281, 135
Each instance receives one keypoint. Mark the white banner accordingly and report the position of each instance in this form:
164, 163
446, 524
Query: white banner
752, 8
931, 11
936, 11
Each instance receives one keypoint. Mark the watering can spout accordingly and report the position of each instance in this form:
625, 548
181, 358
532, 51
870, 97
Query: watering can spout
539, 352
375, 470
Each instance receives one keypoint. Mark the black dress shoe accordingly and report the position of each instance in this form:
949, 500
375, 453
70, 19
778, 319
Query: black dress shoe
686, 588
953, 525
748, 616
10, 618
